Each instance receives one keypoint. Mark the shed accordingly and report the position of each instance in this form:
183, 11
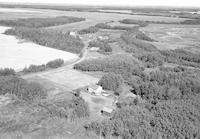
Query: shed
106, 111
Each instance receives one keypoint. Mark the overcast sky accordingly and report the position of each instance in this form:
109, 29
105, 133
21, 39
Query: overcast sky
180, 3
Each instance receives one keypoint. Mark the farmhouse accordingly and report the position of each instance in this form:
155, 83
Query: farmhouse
106, 111
95, 89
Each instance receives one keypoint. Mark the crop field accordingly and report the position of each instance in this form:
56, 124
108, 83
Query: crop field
18, 55
174, 36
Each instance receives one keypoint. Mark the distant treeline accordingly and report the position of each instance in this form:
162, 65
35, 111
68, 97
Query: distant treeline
40, 22
49, 38
142, 23
106, 26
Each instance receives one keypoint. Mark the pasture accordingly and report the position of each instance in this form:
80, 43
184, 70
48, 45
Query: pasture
173, 36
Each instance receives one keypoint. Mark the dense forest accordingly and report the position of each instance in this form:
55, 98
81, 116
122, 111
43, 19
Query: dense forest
169, 96
49, 38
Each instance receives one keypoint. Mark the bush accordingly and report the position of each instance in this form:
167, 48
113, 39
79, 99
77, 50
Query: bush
7, 72
91, 29
106, 48
55, 63
79, 108
102, 45
103, 26
111, 81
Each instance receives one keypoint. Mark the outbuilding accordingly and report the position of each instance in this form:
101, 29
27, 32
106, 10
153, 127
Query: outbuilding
106, 111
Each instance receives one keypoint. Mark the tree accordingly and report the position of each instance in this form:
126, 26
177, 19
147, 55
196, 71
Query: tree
111, 81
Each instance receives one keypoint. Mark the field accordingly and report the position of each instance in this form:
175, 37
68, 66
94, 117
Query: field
173, 36
18, 55
92, 18
117, 11
137, 65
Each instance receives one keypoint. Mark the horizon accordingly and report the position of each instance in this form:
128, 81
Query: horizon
111, 3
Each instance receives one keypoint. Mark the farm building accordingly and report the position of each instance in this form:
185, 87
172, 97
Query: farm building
95, 89
106, 111
94, 48
72, 34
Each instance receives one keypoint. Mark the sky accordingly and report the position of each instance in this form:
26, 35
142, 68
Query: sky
176, 3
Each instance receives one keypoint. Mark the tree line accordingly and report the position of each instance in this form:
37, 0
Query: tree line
38, 68
40, 22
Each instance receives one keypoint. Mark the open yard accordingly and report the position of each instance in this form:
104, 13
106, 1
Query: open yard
97, 103
174, 36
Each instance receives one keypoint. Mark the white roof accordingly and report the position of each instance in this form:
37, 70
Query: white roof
106, 109
94, 86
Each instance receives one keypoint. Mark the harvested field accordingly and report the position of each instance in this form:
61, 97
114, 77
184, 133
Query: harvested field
18, 55
65, 78
174, 36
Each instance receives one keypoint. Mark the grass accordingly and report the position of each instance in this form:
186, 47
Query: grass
173, 36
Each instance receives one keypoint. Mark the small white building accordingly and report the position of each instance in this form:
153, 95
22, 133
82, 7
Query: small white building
72, 34
106, 111
95, 89
94, 48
